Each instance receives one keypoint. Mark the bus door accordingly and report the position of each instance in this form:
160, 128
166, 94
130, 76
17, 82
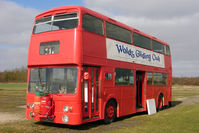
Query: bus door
90, 92
140, 76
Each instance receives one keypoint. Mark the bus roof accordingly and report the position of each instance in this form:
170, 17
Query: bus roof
64, 9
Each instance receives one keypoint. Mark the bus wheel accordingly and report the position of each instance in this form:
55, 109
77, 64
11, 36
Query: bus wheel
160, 103
110, 112
170, 104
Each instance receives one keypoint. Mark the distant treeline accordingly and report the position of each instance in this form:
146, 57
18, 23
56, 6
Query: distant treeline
185, 81
16, 75
20, 75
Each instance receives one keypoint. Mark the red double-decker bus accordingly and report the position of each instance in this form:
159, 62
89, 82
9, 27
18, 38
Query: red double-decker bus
84, 66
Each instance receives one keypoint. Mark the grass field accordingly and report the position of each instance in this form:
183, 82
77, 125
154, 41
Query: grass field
183, 117
12, 92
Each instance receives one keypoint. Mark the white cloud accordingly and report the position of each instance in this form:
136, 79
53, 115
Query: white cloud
15, 30
16, 23
174, 21
12, 58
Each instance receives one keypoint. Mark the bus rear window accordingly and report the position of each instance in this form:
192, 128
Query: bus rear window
57, 22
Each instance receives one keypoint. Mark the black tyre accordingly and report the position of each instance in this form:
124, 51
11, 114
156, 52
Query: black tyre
110, 112
170, 104
160, 103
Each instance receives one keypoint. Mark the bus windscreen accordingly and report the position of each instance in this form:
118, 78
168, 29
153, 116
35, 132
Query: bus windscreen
57, 22
53, 80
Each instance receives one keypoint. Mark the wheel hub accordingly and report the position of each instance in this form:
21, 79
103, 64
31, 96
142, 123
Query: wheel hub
110, 111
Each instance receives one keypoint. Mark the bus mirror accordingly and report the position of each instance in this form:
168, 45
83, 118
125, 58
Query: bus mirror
86, 75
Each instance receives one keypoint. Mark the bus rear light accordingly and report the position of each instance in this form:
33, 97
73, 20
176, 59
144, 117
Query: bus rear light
65, 118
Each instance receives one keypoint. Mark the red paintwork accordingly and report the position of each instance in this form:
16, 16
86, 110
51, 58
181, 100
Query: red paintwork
110, 111
79, 47
160, 102
46, 105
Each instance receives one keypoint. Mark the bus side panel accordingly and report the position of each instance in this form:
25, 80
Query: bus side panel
150, 92
160, 89
168, 66
94, 48
127, 102
110, 91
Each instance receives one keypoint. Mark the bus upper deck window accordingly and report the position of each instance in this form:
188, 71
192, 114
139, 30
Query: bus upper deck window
56, 22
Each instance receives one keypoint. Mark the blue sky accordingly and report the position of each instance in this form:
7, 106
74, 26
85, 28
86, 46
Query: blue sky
176, 24
46, 4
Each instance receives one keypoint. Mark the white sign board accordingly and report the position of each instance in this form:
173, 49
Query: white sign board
129, 53
151, 106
